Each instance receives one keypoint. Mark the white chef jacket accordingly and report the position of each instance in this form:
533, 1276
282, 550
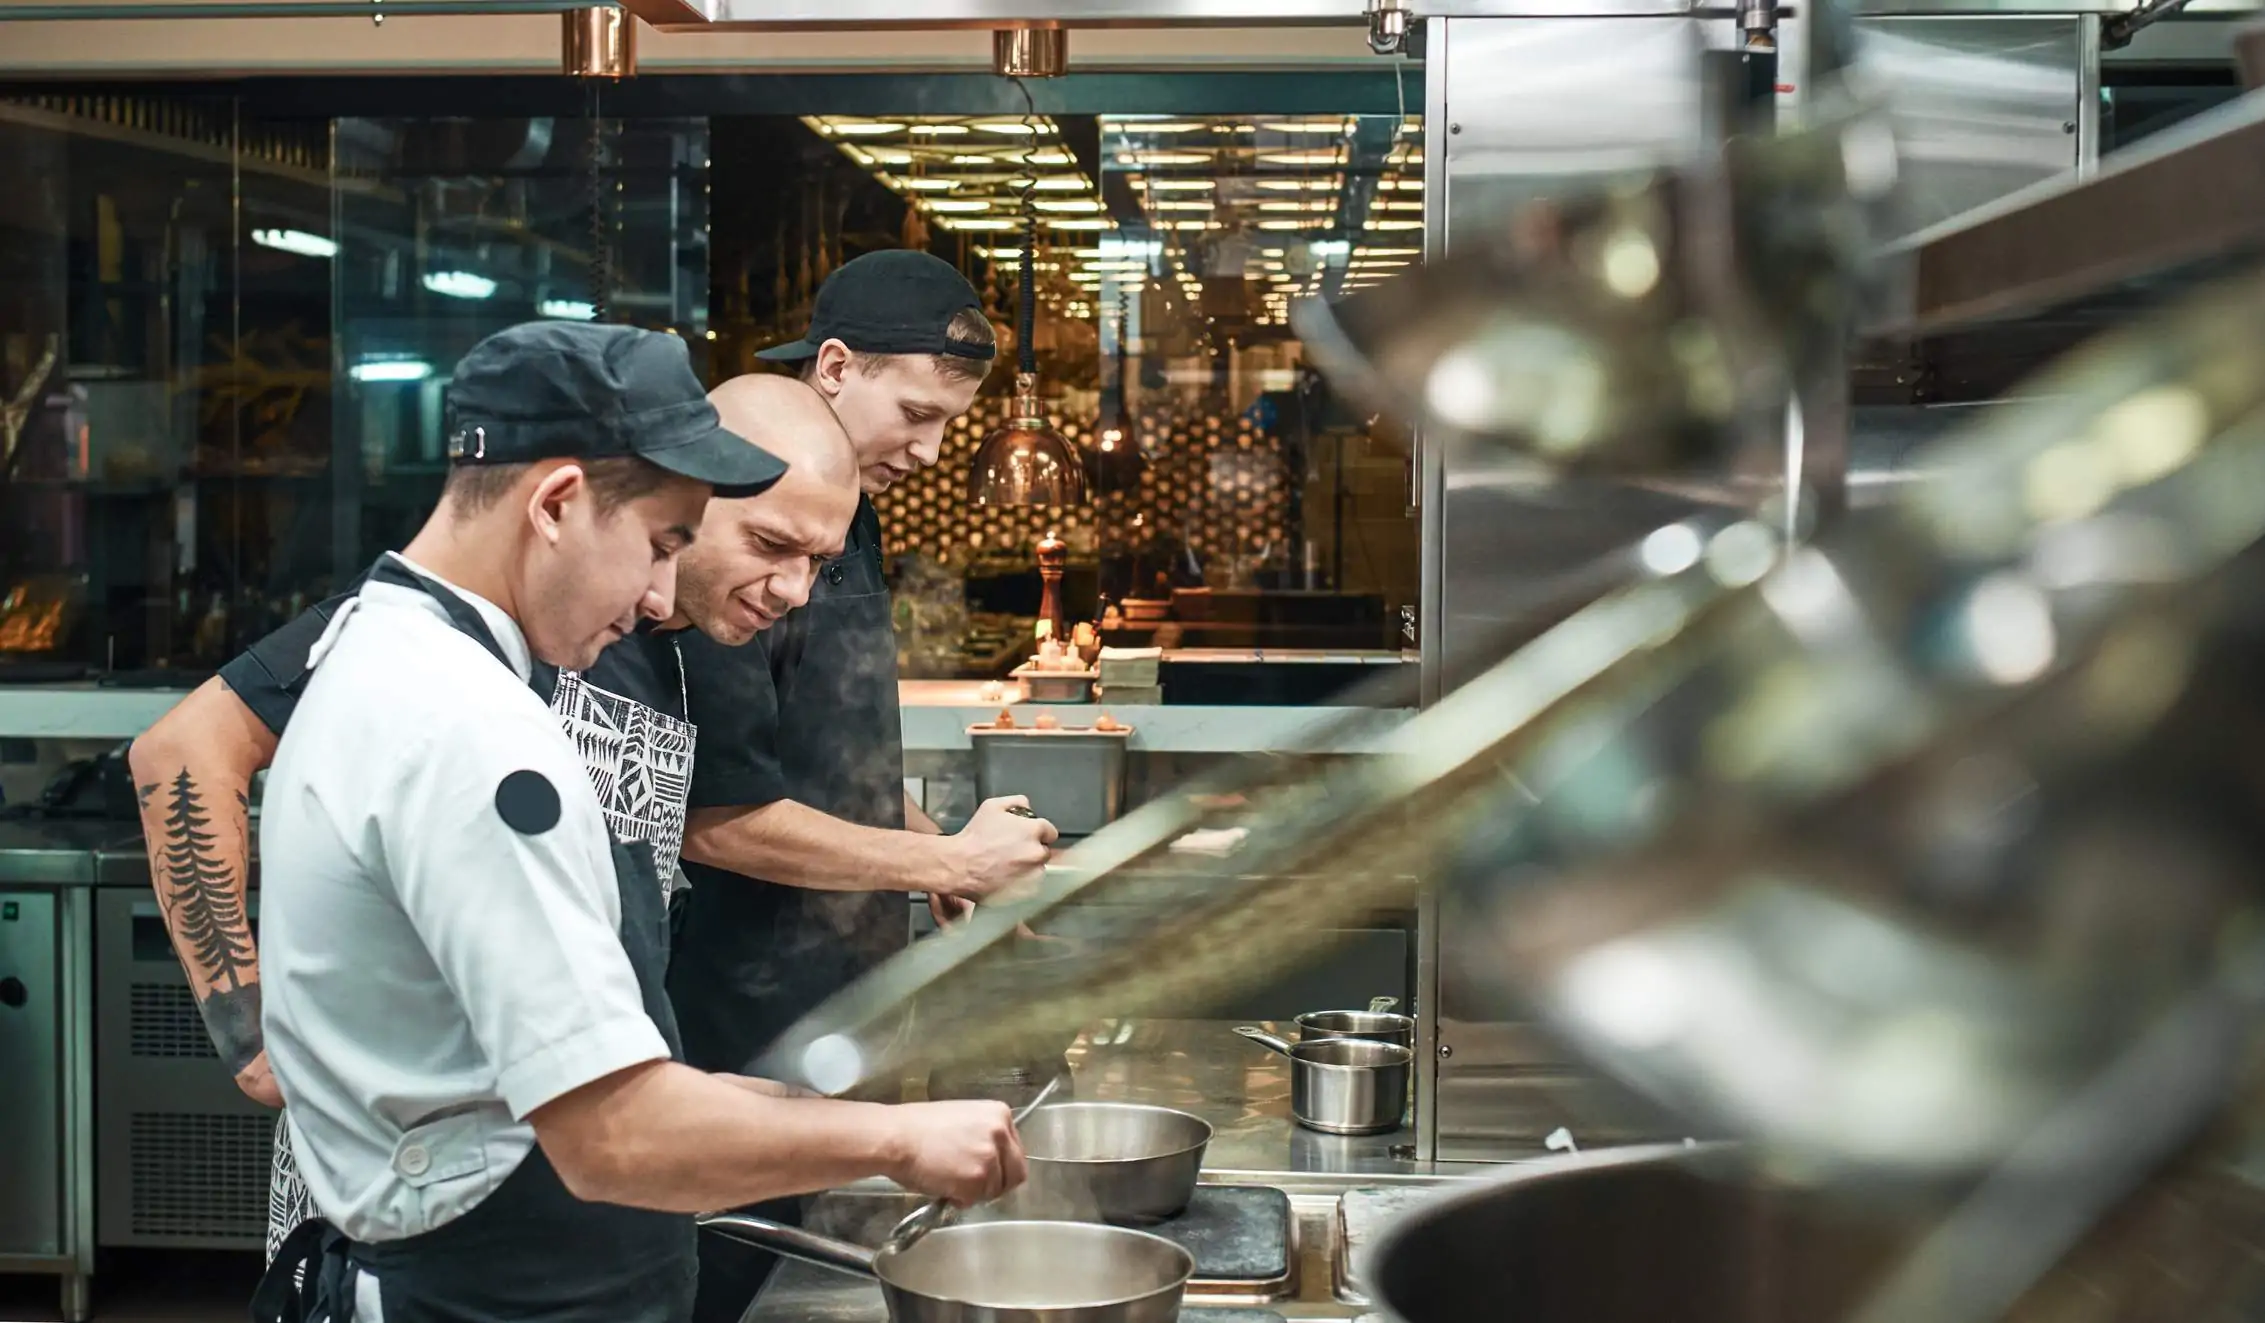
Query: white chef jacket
431, 974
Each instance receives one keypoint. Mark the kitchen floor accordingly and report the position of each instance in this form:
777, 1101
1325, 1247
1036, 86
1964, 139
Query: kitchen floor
145, 1286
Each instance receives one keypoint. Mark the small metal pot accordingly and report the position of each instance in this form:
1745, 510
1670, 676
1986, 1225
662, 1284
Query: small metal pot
1120, 1162
999, 1272
1375, 1025
1343, 1086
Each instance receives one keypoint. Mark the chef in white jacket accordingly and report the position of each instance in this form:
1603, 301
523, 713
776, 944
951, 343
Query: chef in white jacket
464, 1010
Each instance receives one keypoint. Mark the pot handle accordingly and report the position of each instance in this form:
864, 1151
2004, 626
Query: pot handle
794, 1242
1382, 1005
1263, 1038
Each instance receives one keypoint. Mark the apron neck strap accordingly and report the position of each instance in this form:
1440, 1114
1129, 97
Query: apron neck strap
462, 614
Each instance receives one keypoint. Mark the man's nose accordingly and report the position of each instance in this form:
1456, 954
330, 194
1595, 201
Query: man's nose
659, 602
793, 584
927, 446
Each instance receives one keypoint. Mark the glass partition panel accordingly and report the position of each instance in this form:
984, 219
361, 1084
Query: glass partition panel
157, 395
227, 320
43, 584
452, 229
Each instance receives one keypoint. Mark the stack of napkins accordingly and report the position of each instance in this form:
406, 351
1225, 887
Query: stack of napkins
1128, 675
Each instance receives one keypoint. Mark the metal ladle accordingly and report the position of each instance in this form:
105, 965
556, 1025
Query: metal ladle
941, 1212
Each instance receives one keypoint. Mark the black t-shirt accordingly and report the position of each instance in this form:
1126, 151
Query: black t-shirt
625, 714
808, 712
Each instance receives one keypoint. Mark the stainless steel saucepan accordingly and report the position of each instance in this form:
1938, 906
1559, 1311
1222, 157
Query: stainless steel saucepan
1120, 1162
1343, 1086
1377, 1024
999, 1272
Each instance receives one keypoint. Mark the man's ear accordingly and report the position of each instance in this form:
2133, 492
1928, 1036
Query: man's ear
833, 368
546, 504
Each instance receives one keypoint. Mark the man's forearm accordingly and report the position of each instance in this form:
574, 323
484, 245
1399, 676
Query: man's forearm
768, 1088
192, 773
797, 846
686, 1142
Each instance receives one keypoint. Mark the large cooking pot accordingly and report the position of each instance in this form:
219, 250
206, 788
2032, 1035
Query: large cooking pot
1119, 1162
1343, 1086
1552, 1241
1720, 1241
999, 1272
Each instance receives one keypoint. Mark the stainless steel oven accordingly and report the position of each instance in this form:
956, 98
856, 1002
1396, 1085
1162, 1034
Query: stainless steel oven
46, 1179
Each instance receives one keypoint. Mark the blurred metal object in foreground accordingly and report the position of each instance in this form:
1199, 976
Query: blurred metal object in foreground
1938, 855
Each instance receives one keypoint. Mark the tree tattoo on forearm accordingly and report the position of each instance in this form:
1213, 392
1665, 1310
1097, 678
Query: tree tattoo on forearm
200, 892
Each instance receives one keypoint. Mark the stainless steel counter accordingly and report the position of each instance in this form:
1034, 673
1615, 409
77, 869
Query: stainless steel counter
1201, 1066
1198, 1066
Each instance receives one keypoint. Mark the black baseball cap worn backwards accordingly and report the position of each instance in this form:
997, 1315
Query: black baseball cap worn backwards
896, 301
581, 390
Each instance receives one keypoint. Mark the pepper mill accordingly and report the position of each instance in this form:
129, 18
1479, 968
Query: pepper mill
1053, 558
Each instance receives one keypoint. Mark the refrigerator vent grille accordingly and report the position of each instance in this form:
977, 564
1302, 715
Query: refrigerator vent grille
201, 1175
163, 1022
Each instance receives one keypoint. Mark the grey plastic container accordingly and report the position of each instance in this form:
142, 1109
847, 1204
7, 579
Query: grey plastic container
1074, 779
1054, 686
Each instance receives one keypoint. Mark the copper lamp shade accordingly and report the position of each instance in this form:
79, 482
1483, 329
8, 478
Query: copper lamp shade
1025, 461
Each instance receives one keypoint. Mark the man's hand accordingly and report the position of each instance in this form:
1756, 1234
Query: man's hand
258, 1082
997, 848
966, 1152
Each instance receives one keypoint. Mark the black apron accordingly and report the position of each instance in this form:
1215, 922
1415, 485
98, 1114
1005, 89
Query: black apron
530, 1250
752, 960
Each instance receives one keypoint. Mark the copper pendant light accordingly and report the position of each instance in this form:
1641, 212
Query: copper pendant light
599, 43
1025, 461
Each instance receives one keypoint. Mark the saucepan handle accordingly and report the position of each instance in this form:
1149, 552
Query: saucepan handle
1263, 1038
794, 1242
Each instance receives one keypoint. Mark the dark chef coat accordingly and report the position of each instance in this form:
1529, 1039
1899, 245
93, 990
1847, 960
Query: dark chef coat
807, 712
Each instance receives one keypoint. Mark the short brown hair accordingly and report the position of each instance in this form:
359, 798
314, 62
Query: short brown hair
968, 324
615, 482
